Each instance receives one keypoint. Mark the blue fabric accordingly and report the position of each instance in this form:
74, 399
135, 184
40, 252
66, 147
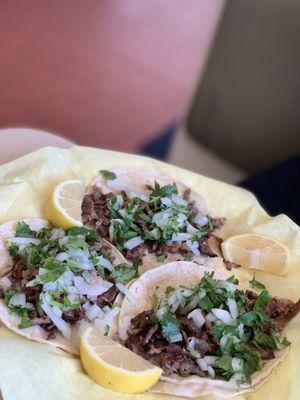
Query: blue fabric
278, 188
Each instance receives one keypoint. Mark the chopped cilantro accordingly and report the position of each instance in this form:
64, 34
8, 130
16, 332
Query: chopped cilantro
108, 175
13, 249
169, 289
34, 255
23, 230
124, 272
262, 300
170, 326
224, 367
8, 294
188, 257
163, 191
233, 279
23, 313
262, 339
161, 258
256, 284
184, 374
81, 230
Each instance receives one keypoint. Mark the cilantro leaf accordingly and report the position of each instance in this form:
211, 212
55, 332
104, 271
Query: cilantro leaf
81, 230
124, 272
256, 284
34, 255
262, 300
8, 294
163, 191
161, 258
23, 313
170, 327
108, 175
224, 366
13, 249
262, 339
23, 230
155, 301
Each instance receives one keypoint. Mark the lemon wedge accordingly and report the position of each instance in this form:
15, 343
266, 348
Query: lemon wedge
115, 367
64, 206
259, 252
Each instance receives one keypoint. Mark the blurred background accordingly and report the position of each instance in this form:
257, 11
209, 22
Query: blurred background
106, 73
209, 85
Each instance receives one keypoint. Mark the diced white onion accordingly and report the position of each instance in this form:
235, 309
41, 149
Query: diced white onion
211, 371
201, 220
233, 381
202, 364
179, 200
93, 312
179, 237
86, 306
237, 364
58, 321
194, 247
197, 317
95, 288
57, 234
154, 232
105, 263
57, 311
87, 275
210, 360
240, 330
190, 229
224, 339
176, 338
233, 308
29, 306
62, 256
66, 278
5, 282
162, 218
166, 201
64, 240
49, 286
173, 301
192, 342
231, 287
24, 241
134, 242
211, 317
186, 292
223, 315
18, 299
130, 296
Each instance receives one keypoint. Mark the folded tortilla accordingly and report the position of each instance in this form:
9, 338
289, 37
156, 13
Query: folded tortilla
176, 274
35, 332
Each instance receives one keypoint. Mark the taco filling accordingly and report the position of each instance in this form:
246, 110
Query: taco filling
212, 329
60, 278
160, 221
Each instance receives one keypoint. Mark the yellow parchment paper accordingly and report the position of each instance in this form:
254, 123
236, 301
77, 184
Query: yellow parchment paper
31, 371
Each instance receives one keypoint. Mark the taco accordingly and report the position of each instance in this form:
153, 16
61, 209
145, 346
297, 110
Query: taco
209, 334
54, 282
151, 219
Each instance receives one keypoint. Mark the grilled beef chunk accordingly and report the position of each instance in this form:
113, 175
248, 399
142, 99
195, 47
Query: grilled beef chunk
210, 246
135, 254
282, 310
73, 316
218, 222
145, 338
53, 331
107, 297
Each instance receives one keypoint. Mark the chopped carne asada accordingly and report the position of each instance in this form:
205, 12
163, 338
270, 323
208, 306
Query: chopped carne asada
212, 329
60, 278
160, 222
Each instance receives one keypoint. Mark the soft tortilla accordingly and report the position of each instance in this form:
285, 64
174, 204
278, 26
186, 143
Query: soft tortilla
35, 332
137, 179
176, 274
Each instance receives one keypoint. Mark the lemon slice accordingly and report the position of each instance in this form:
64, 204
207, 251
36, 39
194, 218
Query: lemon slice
256, 251
115, 367
64, 206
